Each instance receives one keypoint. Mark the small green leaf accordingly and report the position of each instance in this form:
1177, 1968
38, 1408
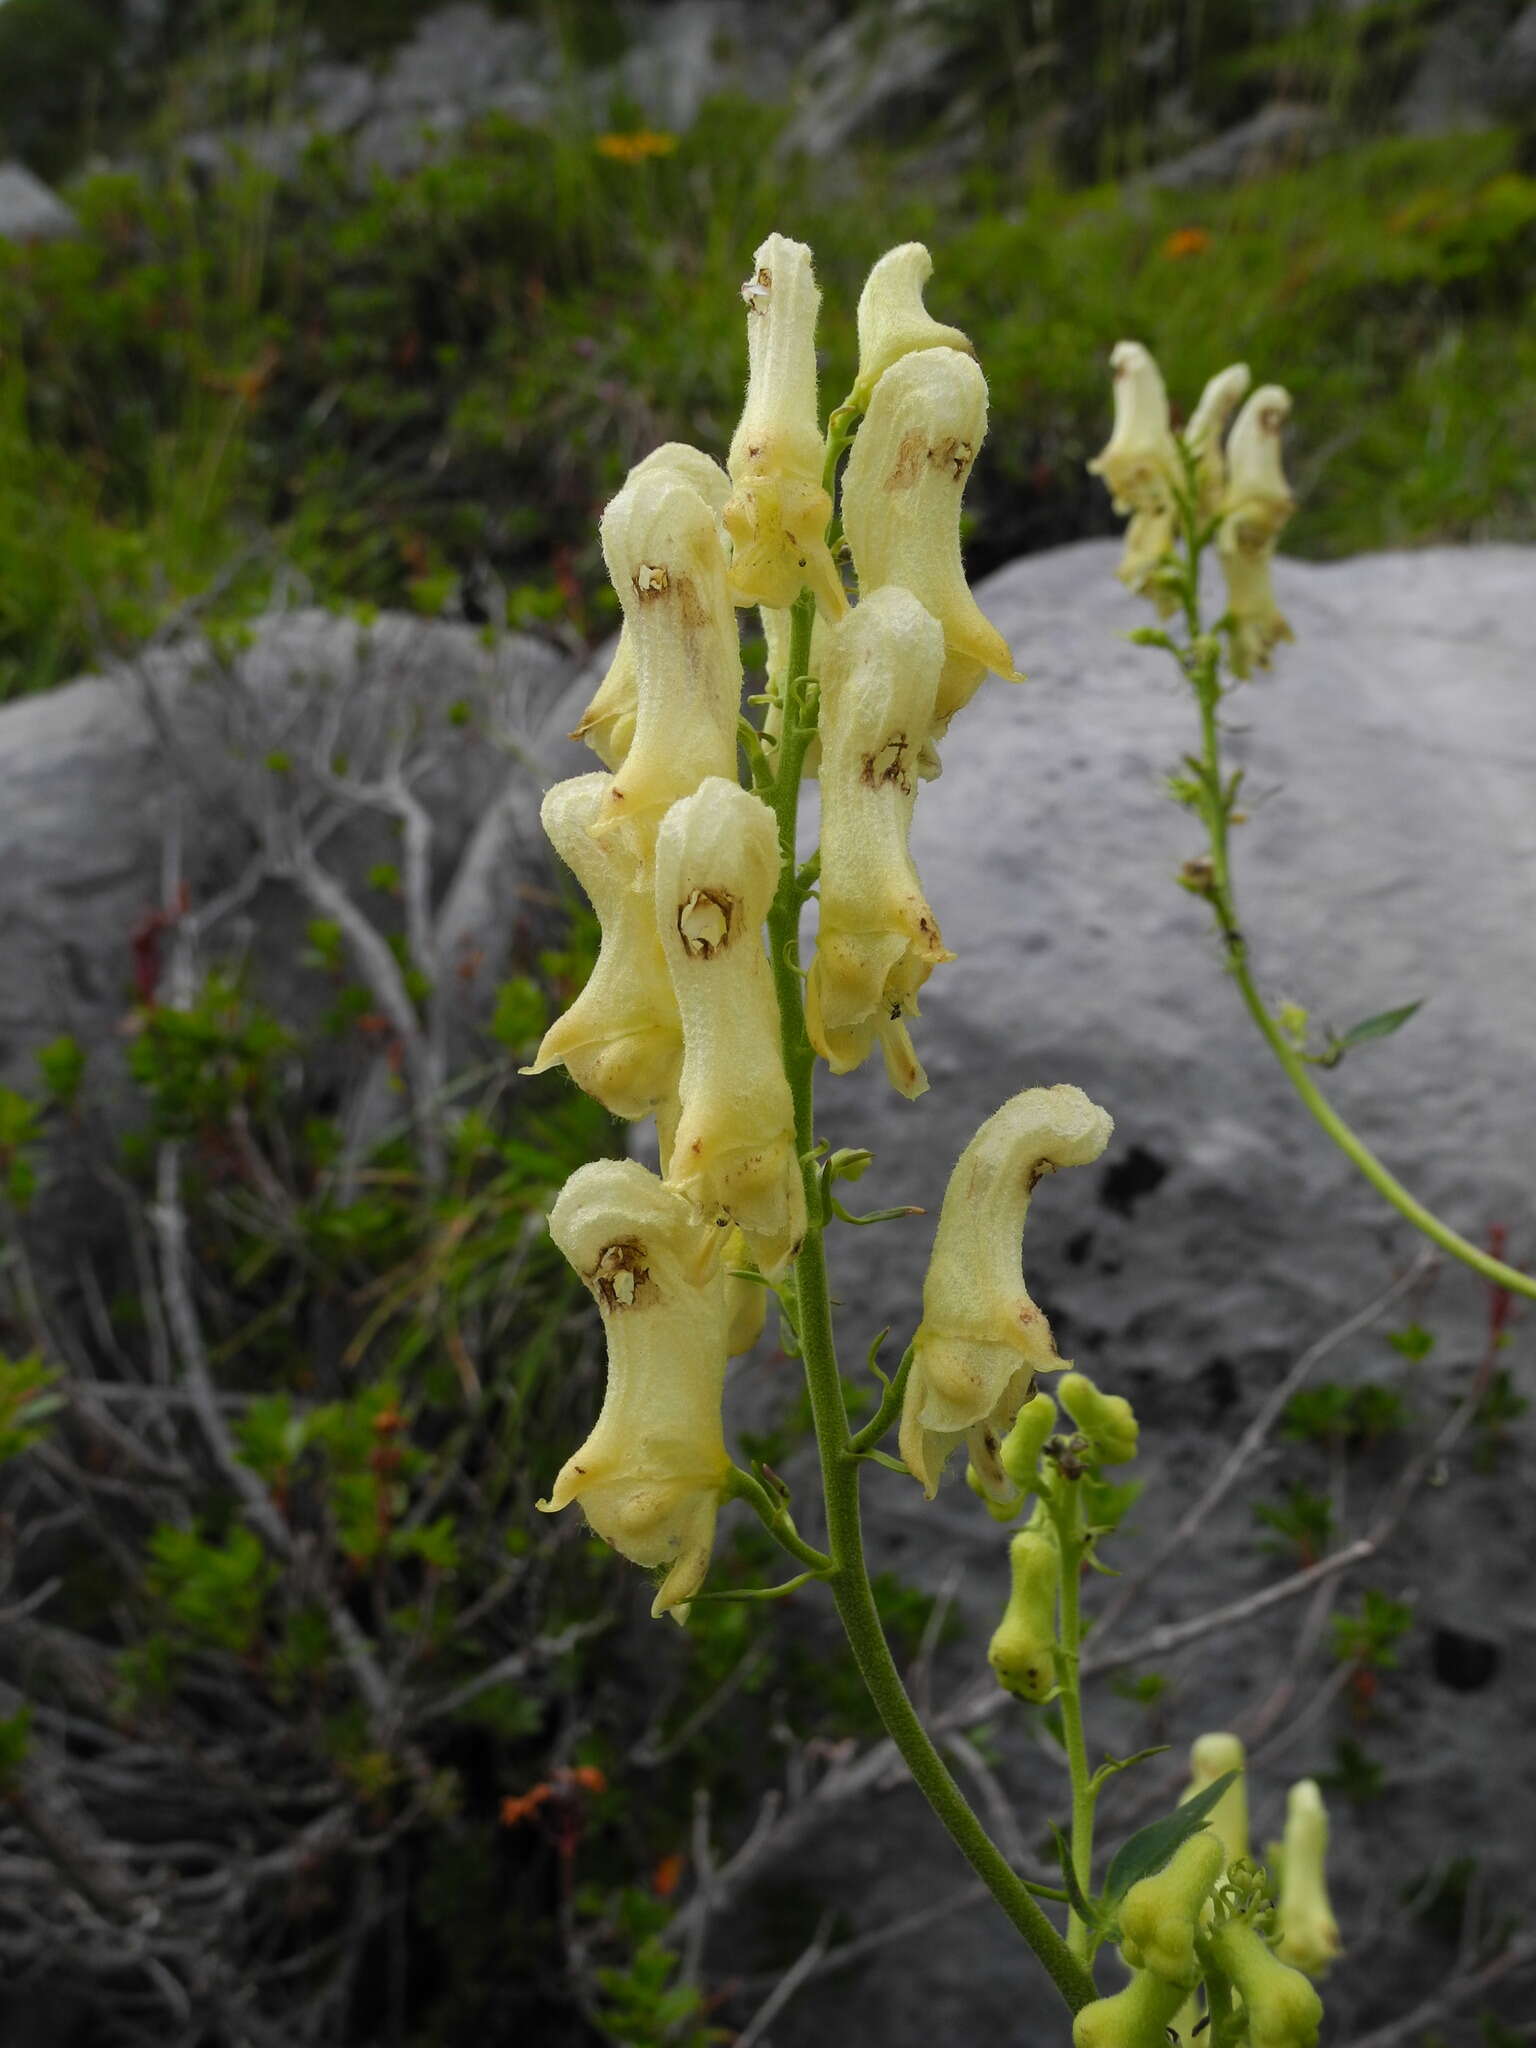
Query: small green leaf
1151, 1847
1382, 1025
1112, 1764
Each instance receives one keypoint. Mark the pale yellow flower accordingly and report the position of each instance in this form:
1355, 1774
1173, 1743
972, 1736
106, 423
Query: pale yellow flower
1140, 464
1309, 1934
901, 508
668, 567
622, 1039
778, 511
1257, 504
982, 1340
608, 723
878, 941
1136, 2016
717, 868
650, 1476
1021, 1651
1211, 1757
1280, 2008
1204, 435
893, 321
1159, 1915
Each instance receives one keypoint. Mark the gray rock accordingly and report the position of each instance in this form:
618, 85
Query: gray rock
1457, 84
872, 74
1277, 138
96, 777
29, 212
1390, 853
1514, 85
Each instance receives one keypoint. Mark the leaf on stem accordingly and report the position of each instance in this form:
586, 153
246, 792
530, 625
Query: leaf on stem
1151, 1847
1082, 1906
1382, 1025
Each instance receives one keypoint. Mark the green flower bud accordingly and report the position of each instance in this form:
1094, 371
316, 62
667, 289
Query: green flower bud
1105, 1419
1283, 2011
1210, 1758
1021, 1651
1309, 1934
1158, 1915
1136, 2017
1023, 1444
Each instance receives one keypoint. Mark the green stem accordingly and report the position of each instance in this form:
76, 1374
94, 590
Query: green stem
776, 1519
840, 1464
1207, 685
1065, 1506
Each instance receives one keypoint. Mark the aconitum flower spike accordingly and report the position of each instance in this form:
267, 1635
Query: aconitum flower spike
1309, 1934
982, 1339
1257, 504
878, 941
778, 511
1140, 464
668, 567
901, 508
894, 322
622, 1038
717, 867
650, 1476
608, 723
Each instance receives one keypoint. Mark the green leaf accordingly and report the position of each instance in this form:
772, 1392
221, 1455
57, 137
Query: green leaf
1151, 1847
1084, 1908
1112, 1764
1382, 1025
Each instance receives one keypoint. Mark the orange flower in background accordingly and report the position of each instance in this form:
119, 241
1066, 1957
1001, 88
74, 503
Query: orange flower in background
1186, 242
635, 146
520, 1806
667, 1875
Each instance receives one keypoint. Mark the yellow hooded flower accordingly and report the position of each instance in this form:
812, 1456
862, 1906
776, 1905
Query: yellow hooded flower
717, 867
901, 508
1135, 2017
1140, 463
1021, 1651
778, 511
608, 723
1280, 2008
650, 1476
622, 1039
894, 322
1158, 1916
982, 1339
668, 567
1207, 428
878, 941
1211, 1757
1257, 504
1309, 1934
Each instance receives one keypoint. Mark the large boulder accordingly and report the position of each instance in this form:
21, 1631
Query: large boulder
1389, 853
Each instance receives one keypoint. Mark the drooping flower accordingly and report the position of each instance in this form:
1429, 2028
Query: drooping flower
982, 1339
1159, 1914
901, 509
1309, 1934
878, 940
608, 723
668, 567
1207, 427
1140, 464
1257, 504
778, 511
1106, 1420
622, 1038
893, 321
650, 1476
1280, 2008
717, 867
1136, 2016
1021, 1651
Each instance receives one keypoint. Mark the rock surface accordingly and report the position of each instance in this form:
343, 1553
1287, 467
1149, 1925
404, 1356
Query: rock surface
29, 212
96, 779
1390, 854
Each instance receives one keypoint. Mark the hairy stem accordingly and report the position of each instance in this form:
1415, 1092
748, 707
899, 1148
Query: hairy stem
1200, 663
840, 1463
1066, 1511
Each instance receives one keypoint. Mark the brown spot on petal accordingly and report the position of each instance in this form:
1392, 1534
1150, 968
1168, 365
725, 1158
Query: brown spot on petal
704, 923
651, 581
888, 764
908, 466
621, 1279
